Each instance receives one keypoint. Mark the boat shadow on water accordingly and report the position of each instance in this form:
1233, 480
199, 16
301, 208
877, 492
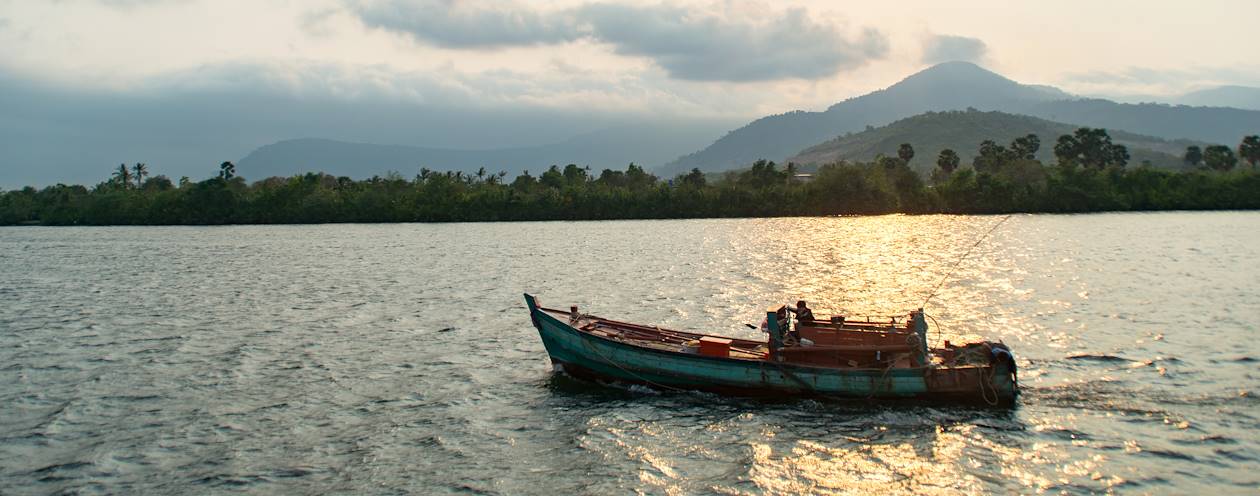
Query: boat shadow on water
597, 392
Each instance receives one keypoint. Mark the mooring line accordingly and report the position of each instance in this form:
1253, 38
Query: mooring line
951, 270
591, 346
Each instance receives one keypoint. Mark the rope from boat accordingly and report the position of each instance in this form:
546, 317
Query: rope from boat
984, 393
792, 376
950, 272
588, 345
785, 372
938, 328
883, 379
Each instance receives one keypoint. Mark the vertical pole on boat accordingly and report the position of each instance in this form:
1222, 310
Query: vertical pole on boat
919, 324
776, 333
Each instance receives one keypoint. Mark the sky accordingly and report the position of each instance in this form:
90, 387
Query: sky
486, 73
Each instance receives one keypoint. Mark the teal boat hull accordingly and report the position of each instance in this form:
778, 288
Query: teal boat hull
591, 356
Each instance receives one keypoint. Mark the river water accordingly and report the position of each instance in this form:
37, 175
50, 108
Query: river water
395, 359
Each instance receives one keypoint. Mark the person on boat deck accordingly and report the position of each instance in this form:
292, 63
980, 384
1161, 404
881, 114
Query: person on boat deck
803, 314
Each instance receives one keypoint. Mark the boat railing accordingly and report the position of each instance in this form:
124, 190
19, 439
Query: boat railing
644, 332
854, 328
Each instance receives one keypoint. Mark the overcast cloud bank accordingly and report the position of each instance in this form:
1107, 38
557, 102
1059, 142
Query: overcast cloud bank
689, 43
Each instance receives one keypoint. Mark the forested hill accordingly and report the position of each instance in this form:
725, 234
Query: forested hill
962, 131
958, 86
947, 86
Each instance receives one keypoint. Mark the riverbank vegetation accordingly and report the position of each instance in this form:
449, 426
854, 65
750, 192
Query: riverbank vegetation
1090, 174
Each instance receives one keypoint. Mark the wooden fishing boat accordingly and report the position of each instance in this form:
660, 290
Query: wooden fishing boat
833, 357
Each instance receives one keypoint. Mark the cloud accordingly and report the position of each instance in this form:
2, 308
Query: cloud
1147, 81
1242, 74
460, 24
311, 80
317, 22
1129, 75
560, 89
185, 122
703, 46
131, 4
249, 103
726, 43
948, 48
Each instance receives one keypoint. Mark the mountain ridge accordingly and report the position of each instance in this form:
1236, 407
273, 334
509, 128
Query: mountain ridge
602, 148
781, 135
959, 86
1235, 96
950, 86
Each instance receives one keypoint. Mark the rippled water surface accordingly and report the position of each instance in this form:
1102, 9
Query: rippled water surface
400, 358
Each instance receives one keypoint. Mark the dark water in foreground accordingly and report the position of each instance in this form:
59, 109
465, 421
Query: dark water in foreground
399, 358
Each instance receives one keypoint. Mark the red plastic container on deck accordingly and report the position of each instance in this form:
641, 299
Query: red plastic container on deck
715, 347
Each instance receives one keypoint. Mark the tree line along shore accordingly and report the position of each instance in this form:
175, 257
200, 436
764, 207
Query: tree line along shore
1090, 174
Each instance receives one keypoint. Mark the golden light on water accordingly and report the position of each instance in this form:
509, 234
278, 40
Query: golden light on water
874, 267
879, 267
943, 461
1106, 402
902, 468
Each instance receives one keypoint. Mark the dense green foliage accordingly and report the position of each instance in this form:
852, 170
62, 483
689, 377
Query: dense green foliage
1090, 148
965, 131
1091, 176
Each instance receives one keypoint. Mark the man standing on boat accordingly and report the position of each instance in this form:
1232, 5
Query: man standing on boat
803, 314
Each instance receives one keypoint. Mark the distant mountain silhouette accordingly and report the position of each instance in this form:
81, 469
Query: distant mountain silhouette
947, 86
648, 146
1243, 97
958, 86
943, 87
962, 131
1212, 124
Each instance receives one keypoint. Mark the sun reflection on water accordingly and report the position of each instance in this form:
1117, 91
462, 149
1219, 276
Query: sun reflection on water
1031, 284
883, 267
900, 468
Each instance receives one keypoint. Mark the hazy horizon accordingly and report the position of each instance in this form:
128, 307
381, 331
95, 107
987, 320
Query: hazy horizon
185, 84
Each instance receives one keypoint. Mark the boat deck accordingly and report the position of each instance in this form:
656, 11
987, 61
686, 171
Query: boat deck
855, 345
663, 339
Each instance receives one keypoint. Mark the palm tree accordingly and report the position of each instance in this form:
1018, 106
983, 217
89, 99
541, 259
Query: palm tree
123, 176
481, 174
1249, 150
1219, 157
905, 152
140, 171
1193, 155
948, 161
